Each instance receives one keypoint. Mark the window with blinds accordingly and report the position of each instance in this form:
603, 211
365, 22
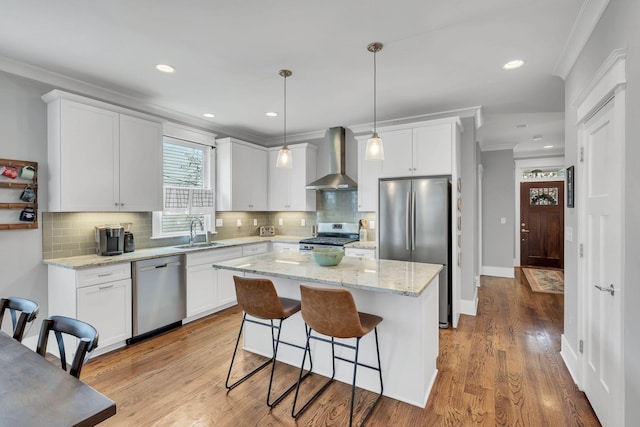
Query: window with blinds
186, 183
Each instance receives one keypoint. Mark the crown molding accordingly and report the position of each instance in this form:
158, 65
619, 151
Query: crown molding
497, 147
82, 88
586, 21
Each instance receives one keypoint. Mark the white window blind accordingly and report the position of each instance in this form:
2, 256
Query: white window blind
187, 187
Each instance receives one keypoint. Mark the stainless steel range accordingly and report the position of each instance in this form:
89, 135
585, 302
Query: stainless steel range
331, 235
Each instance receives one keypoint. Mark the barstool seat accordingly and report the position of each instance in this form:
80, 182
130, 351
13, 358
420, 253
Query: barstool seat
333, 313
258, 298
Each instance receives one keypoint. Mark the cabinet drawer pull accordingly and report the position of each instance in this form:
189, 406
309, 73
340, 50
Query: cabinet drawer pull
105, 275
105, 287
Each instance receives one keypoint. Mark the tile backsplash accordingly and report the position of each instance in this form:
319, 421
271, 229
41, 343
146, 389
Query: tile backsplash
66, 234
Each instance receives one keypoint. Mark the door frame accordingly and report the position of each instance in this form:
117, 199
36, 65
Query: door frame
521, 166
608, 85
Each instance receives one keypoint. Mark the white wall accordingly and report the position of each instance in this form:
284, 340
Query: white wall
498, 201
23, 136
618, 28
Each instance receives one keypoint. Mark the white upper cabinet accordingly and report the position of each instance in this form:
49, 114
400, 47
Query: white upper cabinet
368, 174
287, 186
398, 153
414, 149
241, 171
100, 158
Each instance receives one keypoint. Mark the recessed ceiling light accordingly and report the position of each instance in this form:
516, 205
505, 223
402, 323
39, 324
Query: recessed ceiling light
522, 125
272, 114
512, 65
537, 137
165, 68
548, 146
209, 115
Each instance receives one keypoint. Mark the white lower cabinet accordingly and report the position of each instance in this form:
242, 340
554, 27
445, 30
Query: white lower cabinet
209, 289
100, 296
360, 253
285, 247
255, 249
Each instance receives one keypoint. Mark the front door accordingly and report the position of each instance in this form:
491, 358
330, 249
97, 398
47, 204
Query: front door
542, 224
602, 265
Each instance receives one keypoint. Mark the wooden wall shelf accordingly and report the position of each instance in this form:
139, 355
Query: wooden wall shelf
7, 183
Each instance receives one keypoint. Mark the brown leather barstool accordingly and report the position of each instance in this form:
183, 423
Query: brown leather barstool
333, 313
258, 298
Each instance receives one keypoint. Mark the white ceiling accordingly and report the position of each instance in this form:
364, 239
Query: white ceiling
437, 56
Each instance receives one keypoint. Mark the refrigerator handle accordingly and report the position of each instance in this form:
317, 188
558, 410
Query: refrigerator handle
407, 226
413, 220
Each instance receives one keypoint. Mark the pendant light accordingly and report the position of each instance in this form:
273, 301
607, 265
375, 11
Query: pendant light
375, 150
284, 155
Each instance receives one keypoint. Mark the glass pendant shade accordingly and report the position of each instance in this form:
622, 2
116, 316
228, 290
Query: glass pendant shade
375, 150
284, 158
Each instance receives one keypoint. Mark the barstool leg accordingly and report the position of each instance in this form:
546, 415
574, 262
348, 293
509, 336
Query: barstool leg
353, 384
233, 358
295, 414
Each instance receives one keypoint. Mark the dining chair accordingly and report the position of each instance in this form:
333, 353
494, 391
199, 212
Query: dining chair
86, 334
28, 312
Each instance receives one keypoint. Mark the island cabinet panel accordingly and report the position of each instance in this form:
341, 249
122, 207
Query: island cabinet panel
241, 176
100, 157
100, 296
209, 289
408, 338
287, 186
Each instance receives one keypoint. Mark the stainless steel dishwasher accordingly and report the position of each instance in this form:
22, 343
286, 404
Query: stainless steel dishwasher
159, 296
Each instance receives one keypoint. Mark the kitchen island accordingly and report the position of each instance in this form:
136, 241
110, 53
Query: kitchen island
405, 294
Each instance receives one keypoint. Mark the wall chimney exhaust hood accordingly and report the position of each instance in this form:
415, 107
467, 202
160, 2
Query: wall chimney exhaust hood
336, 179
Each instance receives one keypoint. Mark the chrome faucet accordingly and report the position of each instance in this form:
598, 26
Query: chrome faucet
192, 231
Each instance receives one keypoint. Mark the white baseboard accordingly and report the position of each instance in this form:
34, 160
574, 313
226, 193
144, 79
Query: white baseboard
570, 358
498, 271
470, 307
477, 279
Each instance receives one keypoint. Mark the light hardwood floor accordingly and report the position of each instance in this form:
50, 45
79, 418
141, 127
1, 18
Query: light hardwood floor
501, 367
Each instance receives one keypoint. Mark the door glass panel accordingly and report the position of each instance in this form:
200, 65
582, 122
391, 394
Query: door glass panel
543, 196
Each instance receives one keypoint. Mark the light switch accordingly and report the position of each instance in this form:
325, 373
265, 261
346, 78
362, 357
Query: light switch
372, 225
255, 222
238, 222
280, 221
303, 222
503, 220
218, 222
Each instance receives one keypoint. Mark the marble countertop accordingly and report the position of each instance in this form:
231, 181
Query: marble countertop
87, 261
397, 277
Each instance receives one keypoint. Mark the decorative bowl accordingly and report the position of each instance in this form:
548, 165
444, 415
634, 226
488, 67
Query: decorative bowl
327, 256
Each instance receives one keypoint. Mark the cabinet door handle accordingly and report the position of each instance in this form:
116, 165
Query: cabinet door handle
105, 275
105, 287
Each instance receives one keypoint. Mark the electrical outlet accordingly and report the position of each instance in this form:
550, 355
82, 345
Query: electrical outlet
218, 222
255, 222
372, 225
238, 222
503, 220
303, 222
280, 221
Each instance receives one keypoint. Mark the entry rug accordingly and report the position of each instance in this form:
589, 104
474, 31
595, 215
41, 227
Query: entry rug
542, 280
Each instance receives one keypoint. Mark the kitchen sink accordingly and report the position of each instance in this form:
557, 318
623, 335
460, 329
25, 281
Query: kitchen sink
200, 245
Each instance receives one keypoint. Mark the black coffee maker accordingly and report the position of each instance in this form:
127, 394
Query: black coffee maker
129, 245
109, 240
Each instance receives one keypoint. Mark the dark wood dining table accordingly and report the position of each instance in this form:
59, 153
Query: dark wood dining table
35, 392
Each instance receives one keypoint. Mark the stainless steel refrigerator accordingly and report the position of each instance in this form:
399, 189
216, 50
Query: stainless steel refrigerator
415, 225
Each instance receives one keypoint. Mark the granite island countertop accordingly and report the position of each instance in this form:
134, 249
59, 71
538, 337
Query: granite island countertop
88, 261
397, 277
